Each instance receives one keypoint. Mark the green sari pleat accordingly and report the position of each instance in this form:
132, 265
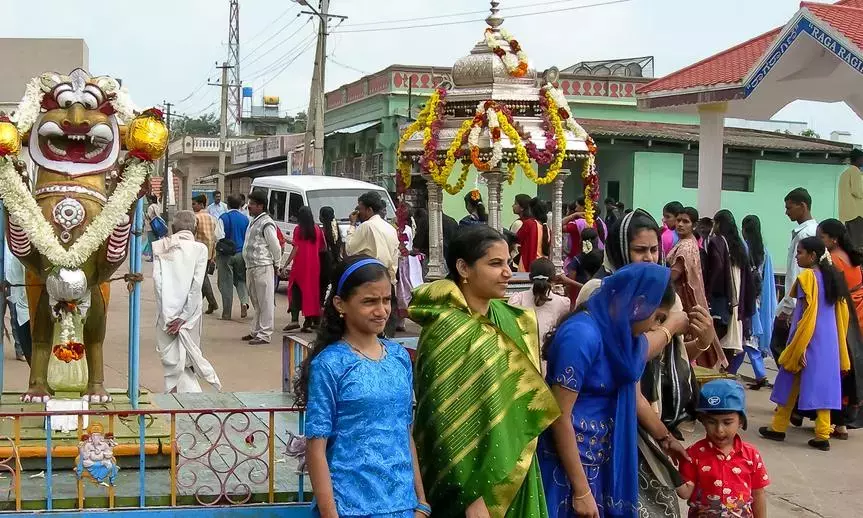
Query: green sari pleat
481, 405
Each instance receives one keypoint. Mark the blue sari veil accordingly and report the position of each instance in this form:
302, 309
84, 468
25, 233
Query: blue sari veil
630, 295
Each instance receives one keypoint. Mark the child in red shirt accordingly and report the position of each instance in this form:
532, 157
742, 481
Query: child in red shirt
726, 476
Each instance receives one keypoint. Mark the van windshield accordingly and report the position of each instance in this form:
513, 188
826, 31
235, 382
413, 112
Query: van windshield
343, 201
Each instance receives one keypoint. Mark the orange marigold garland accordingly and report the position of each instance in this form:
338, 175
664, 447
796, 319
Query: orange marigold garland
69, 351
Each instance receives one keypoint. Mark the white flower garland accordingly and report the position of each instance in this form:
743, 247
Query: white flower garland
561, 102
30, 107
476, 130
510, 60
26, 213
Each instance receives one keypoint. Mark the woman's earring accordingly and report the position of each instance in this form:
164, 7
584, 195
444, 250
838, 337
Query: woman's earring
341, 315
464, 281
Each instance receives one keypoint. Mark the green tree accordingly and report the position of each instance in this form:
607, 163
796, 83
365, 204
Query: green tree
297, 123
809, 133
206, 125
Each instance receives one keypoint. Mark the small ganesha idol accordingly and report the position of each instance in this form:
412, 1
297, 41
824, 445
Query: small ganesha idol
96, 456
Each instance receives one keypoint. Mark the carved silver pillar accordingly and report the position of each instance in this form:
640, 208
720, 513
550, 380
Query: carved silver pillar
557, 219
435, 208
493, 181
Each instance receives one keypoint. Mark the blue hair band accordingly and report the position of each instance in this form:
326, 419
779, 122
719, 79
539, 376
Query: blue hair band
352, 268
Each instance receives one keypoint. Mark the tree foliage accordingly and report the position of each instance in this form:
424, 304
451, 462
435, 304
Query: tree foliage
206, 125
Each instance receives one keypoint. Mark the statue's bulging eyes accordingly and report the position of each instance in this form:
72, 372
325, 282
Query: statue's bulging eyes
66, 99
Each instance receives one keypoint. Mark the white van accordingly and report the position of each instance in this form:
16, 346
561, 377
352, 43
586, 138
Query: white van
286, 194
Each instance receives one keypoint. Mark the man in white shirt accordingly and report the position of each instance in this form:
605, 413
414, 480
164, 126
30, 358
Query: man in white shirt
218, 207
261, 253
798, 208
375, 238
179, 266
19, 311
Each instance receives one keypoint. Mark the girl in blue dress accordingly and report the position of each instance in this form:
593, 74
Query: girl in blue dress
589, 456
358, 391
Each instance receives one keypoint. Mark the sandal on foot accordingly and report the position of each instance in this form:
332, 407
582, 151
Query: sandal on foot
820, 444
759, 384
767, 433
842, 436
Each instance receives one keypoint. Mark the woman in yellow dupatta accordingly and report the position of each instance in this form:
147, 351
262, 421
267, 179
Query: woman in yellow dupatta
811, 366
481, 400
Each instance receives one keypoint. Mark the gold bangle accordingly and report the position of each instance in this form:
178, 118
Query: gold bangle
668, 334
706, 347
582, 497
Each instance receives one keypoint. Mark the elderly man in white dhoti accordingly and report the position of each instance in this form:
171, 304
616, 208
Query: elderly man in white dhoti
179, 266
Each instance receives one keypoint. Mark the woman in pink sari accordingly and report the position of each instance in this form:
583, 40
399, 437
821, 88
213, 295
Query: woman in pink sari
685, 262
304, 281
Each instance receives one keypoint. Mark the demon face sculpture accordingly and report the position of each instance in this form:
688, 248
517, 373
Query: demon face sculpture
81, 191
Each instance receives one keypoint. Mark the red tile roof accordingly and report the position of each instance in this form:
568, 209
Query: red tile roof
734, 137
731, 66
728, 67
847, 19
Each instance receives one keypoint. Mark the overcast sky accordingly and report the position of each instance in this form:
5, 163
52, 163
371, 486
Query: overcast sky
166, 49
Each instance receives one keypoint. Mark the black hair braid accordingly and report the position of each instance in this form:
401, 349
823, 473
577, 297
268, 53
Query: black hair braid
331, 330
333, 326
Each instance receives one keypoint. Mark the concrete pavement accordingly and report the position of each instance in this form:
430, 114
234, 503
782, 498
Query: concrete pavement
805, 482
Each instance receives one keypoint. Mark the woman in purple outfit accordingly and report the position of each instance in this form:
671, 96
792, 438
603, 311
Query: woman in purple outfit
812, 365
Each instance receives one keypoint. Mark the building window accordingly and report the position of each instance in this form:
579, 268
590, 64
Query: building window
376, 166
339, 167
737, 172
264, 129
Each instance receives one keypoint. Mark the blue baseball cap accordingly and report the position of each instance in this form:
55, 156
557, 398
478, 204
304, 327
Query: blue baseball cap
719, 396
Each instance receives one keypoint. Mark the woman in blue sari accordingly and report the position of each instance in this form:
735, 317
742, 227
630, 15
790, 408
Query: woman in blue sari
589, 456
758, 344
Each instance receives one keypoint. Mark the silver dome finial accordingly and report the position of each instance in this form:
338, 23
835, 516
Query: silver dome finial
494, 20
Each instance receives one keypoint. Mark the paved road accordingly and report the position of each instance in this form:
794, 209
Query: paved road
805, 482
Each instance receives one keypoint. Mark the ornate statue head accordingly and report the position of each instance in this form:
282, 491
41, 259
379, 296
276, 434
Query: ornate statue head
73, 129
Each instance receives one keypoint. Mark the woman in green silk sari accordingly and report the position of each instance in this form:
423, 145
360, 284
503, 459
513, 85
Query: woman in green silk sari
481, 400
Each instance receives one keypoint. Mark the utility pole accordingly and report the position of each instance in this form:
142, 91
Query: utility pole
165, 215
223, 122
315, 115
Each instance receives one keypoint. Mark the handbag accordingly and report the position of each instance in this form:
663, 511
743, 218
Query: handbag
226, 246
211, 267
159, 227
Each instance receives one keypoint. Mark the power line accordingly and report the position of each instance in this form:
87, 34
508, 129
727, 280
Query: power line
455, 15
363, 72
196, 90
194, 114
284, 28
280, 43
281, 59
460, 22
277, 74
273, 22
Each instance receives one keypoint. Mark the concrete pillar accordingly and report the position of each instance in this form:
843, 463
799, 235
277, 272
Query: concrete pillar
711, 138
557, 220
493, 181
435, 208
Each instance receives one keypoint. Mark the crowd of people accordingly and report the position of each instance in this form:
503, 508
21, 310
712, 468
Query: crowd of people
551, 403
569, 403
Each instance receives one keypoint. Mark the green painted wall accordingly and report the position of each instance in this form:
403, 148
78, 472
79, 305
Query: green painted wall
626, 112
659, 178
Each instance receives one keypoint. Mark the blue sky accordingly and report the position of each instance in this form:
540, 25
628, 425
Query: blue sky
167, 49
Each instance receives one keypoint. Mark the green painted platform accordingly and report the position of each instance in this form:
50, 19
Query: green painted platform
213, 460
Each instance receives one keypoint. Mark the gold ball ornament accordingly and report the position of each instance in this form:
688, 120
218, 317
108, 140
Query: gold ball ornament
10, 140
147, 136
